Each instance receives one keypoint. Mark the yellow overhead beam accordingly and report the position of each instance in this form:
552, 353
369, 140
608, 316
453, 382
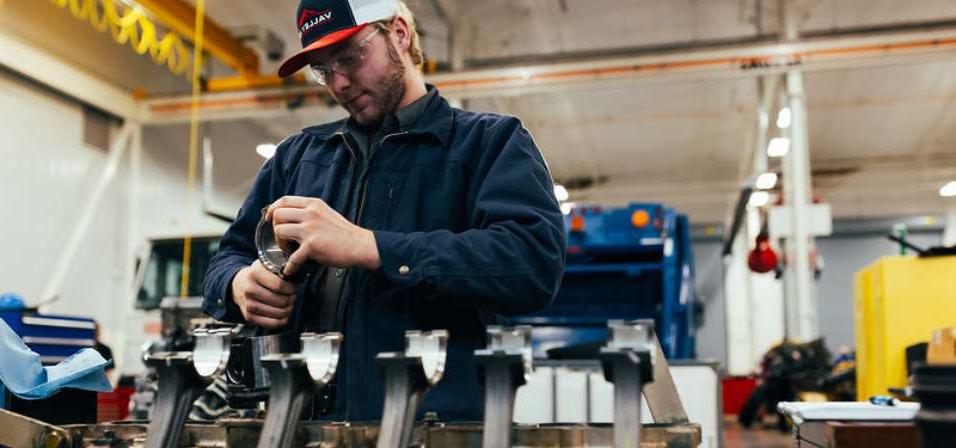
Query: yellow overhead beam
240, 82
181, 17
249, 82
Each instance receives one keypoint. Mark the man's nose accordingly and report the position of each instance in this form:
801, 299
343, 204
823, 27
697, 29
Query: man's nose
339, 82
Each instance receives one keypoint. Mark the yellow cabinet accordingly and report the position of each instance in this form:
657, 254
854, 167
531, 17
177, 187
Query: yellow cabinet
898, 302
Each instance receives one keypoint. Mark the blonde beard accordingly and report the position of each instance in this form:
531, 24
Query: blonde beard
390, 90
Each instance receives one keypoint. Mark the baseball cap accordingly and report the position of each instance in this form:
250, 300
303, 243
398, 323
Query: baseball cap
322, 23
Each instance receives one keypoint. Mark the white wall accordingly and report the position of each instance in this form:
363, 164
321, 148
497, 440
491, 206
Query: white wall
46, 177
46, 173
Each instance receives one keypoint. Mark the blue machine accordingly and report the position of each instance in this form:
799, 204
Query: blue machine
53, 337
633, 262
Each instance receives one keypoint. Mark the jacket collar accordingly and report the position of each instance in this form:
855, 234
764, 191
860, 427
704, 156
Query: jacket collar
436, 121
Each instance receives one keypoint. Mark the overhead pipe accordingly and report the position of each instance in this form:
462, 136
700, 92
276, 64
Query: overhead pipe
747, 59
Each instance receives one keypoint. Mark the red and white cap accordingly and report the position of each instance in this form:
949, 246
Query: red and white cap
322, 23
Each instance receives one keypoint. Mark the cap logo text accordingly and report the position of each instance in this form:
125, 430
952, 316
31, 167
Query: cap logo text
310, 18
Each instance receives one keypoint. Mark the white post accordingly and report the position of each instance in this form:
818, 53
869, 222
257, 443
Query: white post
751, 230
805, 325
766, 301
737, 309
806, 306
134, 238
949, 232
767, 88
789, 287
752, 301
65, 260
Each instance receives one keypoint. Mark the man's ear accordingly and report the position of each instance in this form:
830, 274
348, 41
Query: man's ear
403, 36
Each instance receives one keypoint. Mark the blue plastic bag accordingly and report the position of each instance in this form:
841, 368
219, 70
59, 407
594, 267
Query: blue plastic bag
25, 376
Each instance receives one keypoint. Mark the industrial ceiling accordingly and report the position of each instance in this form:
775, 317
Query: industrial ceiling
882, 126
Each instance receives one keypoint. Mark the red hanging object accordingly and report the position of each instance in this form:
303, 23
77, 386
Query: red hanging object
762, 259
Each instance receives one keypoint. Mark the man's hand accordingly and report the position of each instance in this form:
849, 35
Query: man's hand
322, 233
264, 298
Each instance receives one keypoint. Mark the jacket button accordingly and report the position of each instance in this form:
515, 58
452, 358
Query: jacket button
403, 270
339, 272
219, 301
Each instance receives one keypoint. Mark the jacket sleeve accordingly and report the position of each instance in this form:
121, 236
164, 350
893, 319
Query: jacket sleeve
237, 249
512, 259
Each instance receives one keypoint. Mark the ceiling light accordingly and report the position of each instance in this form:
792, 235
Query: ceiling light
266, 150
784, 117
778, 147
948, 190
566, 207
766, 181
759, 199
561, 193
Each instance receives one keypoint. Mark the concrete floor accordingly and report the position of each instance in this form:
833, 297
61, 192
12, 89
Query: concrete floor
758, 436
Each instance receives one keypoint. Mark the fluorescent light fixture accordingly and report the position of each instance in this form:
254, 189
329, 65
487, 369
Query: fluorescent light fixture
266, 150
561, 193
766, 181
784, 118
566, 207
948, 190
759, 199
778, 147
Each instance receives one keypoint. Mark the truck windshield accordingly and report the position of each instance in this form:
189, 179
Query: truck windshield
161, 275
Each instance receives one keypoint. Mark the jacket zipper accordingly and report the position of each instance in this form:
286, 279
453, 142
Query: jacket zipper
354, 162
340, 307
338, 322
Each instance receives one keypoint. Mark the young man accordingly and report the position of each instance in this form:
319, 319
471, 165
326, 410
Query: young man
420, 215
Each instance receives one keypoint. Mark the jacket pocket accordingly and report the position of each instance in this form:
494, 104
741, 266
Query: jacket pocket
390, 202
383, 201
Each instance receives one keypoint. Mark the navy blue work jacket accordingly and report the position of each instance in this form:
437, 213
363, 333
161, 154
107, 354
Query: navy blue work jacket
467, 227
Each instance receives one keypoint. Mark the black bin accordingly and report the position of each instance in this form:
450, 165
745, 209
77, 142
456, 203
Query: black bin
66, 407
935, 387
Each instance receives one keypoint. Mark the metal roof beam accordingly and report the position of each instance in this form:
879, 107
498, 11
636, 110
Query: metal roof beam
181, 18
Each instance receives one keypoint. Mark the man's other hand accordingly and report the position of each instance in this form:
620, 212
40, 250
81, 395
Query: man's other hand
264, 298
322, 233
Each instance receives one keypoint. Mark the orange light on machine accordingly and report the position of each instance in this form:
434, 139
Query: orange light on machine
577, 223
640, 218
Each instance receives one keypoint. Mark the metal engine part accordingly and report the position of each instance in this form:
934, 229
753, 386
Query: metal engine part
294, 378
505, 365
408, 375
236, 433
271, 255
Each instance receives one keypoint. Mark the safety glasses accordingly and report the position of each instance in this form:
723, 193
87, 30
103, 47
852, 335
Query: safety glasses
345, 63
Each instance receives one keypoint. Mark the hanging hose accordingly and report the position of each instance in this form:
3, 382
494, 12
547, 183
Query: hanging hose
131, 26
193, 145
